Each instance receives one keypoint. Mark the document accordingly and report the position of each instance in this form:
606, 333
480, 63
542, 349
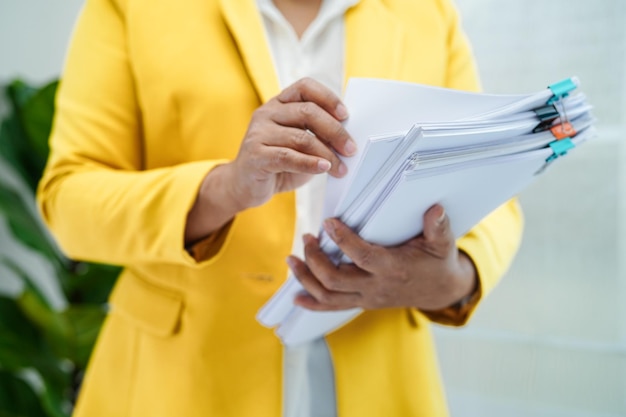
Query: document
420, 145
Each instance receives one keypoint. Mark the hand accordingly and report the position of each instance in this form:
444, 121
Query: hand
290, 138
427, 272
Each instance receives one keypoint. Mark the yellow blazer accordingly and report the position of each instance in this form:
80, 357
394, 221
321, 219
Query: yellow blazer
155, 94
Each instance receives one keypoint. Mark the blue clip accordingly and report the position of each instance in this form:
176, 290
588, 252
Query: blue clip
561, 89
560, 148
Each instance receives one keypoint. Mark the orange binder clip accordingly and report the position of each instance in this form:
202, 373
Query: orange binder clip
563, 130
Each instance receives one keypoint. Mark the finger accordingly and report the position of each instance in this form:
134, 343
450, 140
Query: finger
437, 231
309, 115
277, 159
365, 255
307, 143
331, 299
307, 301
436, 223
332, 277
307, 89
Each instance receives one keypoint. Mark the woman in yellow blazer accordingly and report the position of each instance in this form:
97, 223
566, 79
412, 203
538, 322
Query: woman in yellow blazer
155, 101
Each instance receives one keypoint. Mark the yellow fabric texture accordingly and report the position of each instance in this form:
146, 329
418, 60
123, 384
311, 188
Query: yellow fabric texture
154, 95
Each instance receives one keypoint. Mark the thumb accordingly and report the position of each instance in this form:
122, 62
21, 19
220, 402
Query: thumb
437, 225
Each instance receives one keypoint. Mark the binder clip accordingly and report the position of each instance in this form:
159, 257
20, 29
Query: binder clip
559, 148
563, 130
561, 89
546, 115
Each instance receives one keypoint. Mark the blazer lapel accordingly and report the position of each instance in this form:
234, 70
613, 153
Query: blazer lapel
246, 26
374, 41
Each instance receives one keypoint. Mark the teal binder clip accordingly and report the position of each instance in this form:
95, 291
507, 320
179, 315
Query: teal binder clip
561, 89
560, 148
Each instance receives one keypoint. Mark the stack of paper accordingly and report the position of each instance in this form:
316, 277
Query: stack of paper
421, 145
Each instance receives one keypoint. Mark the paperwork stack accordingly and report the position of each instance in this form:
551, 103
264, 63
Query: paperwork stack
421, 145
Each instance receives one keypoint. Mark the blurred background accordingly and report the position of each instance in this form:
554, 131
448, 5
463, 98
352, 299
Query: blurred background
550, 340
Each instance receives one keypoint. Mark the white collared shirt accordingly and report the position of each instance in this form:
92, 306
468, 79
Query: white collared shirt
309, 388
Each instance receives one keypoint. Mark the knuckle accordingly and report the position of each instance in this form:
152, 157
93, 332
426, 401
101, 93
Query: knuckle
365, 257
302, 140
307, 109
328, 282
340, 132
281, 156
324, 297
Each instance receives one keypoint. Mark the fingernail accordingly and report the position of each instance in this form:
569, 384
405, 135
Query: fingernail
342, 169
350, 148
329, 227
290, 262
341, 112
307, 238
323, 165
442, 216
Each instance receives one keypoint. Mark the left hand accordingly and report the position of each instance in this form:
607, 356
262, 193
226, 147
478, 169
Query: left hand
427, 272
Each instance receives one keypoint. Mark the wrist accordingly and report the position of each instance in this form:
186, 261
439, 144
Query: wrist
220, 188
214, 207
467, 281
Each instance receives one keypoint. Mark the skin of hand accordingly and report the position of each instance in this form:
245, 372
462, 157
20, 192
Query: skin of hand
427, 272
292, 137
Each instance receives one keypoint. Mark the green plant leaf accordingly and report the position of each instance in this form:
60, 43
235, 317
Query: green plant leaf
17, 398
24, 132
21, 344
14, 144
33, 335
91, 283
20, 92
12, 149
36, 115
24, 226
55, 400
85, 322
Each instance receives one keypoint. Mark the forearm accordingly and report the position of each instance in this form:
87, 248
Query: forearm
214, 206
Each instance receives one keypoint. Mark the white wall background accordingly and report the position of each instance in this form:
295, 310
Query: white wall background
34, 36
551, 340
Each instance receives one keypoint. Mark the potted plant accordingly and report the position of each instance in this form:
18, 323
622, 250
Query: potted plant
51, 308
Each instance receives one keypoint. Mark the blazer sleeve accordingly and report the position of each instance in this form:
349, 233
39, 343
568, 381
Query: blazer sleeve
95, 195
492, 243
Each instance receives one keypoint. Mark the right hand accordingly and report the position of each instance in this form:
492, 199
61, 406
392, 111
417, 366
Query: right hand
289, 139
